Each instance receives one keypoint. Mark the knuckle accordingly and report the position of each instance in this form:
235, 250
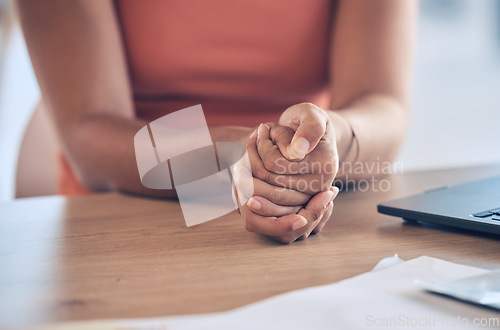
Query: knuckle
276, 197
282, 134
315, 112
308, 106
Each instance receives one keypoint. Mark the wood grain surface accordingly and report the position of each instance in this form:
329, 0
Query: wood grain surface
118, 256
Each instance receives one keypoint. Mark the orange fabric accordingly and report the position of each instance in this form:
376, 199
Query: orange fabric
67, 181
245, 61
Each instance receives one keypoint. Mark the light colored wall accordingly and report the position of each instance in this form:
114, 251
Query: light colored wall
18, 96
456, 89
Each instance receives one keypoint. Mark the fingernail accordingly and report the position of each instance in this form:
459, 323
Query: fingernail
259, 131
254, 204
299, 224
335, 191
299, 148
327, 198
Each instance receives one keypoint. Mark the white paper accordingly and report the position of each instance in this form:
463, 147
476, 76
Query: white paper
387, 262
383, 299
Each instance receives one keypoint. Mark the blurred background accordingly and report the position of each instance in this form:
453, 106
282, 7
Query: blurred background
455, 110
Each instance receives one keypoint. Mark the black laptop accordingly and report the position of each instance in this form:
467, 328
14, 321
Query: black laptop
474, 206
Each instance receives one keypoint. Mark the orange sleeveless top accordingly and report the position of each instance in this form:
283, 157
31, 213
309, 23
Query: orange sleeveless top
244, 61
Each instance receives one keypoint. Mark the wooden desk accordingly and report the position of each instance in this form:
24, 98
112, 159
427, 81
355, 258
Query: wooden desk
116, 256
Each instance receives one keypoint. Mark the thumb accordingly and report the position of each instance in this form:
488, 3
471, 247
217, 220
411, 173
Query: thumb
309, 123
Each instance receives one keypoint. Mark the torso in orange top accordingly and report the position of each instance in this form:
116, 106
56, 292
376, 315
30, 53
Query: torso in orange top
245, 61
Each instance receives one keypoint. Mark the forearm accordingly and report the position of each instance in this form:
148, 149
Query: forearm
369, 133
101, 150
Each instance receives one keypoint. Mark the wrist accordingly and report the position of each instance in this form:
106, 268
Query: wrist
347, 146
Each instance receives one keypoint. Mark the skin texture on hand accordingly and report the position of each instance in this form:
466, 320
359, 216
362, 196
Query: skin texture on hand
312, 174
288, 228
293, 194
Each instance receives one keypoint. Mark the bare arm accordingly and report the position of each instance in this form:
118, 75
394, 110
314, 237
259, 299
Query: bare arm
78, 57
372, 45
